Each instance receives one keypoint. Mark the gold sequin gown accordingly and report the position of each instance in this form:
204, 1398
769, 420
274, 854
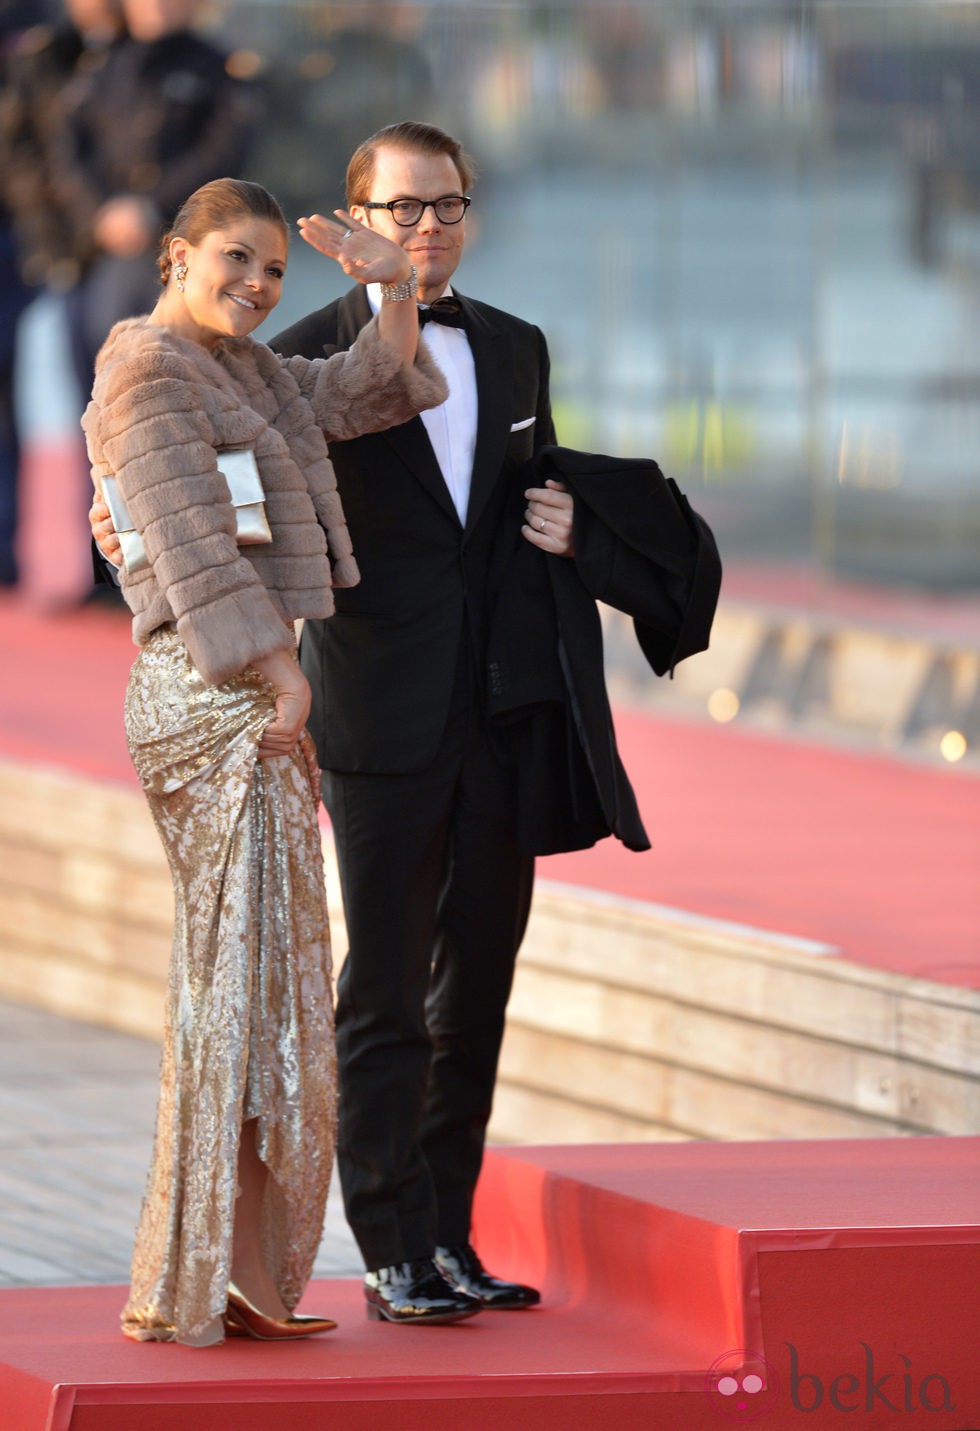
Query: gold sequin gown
249, 1027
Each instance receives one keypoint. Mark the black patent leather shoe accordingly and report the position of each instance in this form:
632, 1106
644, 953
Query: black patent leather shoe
416, 1292
461, 1266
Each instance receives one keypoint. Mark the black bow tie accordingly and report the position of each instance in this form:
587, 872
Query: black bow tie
448, 311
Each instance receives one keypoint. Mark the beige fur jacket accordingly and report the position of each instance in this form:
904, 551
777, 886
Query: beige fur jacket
162, 405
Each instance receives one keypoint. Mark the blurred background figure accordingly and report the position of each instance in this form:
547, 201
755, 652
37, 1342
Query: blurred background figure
37, 246
784, 308
112, 112
43, 60
159, 118
14, 297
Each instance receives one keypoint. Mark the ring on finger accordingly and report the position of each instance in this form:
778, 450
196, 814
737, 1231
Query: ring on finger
542, 523
348, 233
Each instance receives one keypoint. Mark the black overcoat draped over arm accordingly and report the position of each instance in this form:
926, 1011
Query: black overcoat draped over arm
640, 547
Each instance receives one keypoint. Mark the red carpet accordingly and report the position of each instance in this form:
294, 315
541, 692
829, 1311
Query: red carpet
875, 856
672, 1275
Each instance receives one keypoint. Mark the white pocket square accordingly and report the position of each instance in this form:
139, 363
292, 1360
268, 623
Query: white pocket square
520, 426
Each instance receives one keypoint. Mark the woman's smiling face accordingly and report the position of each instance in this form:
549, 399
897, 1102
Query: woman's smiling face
234, 277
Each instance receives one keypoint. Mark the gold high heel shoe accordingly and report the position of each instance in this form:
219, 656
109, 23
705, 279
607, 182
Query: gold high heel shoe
242, 1318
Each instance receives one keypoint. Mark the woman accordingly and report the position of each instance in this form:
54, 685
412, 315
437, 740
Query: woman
215, 711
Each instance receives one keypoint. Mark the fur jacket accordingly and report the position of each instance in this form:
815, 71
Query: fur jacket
163, 405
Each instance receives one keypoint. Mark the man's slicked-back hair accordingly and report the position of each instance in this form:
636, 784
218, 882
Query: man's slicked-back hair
409, 134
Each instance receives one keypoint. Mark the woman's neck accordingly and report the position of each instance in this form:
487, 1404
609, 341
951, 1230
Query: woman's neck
171, 313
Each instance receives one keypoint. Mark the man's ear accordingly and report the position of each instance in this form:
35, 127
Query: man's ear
361, 214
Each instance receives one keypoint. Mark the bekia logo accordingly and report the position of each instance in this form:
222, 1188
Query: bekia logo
741, 1386
868, 1388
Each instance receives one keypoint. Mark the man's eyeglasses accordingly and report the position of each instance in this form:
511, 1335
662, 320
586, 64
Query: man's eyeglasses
406, 212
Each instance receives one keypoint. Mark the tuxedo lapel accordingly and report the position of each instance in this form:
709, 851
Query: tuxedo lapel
491, 349
411, 444
492, 361
409, 441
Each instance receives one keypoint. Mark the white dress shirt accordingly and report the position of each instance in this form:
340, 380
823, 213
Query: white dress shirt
452, 425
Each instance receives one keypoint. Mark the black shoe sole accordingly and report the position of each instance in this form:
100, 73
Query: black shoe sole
508, 1306
375, 1313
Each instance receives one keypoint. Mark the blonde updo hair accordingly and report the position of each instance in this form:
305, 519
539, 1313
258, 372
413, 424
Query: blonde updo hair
216, 206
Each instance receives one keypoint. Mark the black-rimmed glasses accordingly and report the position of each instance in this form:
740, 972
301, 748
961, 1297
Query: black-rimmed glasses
449, 209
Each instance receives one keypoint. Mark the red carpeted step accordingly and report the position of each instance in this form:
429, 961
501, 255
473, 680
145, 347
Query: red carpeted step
685, 1285
846, 1272
61, 1355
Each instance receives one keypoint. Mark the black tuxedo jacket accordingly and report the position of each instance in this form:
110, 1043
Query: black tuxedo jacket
382, 668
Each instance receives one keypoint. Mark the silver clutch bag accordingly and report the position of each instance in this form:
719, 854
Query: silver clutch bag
239, 469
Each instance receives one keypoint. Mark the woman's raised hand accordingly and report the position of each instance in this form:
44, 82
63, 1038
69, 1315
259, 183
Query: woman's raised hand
362, 253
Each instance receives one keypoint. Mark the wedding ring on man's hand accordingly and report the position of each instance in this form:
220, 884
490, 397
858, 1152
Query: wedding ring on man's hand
543, 523
348, 233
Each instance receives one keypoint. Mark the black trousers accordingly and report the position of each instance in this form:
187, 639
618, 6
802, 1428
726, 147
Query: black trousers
436, 895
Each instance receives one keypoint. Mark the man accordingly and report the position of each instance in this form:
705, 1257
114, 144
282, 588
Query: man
464, 672
436, 887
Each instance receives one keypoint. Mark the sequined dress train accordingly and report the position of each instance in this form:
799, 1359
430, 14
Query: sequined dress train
249, 1026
